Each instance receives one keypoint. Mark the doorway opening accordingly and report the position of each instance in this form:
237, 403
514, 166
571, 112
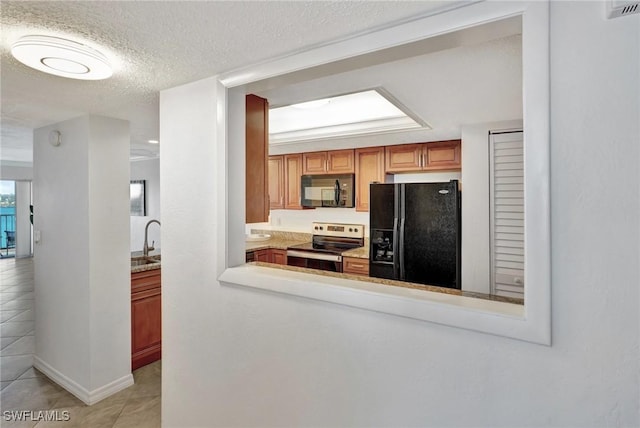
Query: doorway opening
16, 219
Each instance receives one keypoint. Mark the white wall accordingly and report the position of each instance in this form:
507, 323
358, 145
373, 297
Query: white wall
259, 359
476, 254
190, 236
148, 170
81, 263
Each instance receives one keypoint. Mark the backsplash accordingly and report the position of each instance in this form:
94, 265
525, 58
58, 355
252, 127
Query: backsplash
292, 236
300, 220
283, 234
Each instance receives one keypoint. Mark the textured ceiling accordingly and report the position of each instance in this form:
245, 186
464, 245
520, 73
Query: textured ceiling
158, 45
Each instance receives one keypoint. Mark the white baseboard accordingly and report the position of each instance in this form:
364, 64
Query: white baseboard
86, 396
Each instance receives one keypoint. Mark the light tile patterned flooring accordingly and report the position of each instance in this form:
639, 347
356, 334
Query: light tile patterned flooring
25, 388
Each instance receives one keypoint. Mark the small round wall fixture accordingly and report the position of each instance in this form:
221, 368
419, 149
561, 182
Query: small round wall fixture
61, 57
55, 138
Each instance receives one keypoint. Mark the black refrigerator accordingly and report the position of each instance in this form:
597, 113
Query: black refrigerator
415, 233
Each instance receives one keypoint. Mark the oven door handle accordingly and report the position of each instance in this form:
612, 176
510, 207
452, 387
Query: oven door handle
316, 256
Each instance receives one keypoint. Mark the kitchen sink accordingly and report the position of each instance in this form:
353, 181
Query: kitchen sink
143, 261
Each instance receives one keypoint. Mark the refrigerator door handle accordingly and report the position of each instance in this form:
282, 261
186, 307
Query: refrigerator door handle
396, 272
401, 247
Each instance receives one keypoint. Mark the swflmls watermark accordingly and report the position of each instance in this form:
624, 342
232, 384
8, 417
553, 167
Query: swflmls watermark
36, 415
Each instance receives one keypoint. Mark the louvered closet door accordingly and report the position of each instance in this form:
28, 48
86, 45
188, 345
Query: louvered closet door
507, 214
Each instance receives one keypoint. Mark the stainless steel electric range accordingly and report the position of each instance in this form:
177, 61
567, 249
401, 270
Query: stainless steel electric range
325, 250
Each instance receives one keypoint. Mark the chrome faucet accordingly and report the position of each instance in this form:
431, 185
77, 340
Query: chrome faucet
146, 248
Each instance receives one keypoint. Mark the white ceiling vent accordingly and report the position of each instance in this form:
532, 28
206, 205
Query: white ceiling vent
618, 8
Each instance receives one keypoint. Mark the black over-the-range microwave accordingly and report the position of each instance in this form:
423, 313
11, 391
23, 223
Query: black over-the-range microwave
331, 191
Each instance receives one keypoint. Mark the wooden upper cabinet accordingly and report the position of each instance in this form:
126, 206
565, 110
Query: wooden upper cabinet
405, 157
370, 164
276, 182
340, 162
438, 155
369, 168
257, 152
331, 162
284, 181
314, 163
443, 155
292, 174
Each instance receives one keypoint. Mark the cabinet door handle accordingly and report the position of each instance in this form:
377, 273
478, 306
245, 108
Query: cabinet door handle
357, 265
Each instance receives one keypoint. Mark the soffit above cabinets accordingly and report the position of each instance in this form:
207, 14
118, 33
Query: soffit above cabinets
364, 112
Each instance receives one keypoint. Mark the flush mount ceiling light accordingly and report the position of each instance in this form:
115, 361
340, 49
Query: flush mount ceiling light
61, 57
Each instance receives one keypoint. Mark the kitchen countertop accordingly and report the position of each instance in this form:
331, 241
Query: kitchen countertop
358, 253
137, 255
283, 244
278, 243
283, 240
280, 240
394, 283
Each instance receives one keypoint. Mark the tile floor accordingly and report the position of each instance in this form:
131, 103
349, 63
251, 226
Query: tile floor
25, 388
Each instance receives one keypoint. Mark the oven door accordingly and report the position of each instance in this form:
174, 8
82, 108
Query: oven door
311, 260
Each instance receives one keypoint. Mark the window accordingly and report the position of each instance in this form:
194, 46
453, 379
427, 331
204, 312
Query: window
138, 198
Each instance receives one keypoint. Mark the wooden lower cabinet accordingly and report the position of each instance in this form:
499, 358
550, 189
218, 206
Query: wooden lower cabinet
262, 256
279, 257
146, 318
355, 266
270, 255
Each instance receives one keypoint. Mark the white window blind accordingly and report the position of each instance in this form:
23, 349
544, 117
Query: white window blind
506, 174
